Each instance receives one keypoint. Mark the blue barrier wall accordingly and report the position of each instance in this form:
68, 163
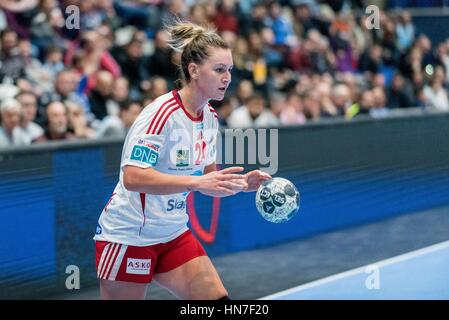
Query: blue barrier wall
347, 173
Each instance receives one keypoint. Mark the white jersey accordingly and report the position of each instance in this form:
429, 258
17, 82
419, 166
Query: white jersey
164, 137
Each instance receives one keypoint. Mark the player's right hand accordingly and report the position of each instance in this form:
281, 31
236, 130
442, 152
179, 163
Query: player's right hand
222, 183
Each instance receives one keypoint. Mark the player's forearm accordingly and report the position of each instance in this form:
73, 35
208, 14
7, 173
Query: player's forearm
157, 183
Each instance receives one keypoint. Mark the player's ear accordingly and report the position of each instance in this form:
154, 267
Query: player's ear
193, 70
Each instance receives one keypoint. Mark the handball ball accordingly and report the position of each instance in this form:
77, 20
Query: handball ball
277, 200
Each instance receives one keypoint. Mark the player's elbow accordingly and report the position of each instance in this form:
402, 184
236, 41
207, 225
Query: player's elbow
130, 180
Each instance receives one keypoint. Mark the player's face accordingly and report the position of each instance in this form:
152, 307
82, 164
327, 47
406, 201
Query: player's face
214, 75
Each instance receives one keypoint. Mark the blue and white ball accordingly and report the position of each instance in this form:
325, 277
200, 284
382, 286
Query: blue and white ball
277, 200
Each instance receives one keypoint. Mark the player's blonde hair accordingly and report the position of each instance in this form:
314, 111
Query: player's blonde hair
194, 42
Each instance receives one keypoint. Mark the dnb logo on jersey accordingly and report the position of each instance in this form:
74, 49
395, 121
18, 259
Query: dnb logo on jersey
145, 153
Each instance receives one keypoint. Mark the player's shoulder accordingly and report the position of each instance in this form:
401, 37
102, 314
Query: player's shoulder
166, 100
160, 111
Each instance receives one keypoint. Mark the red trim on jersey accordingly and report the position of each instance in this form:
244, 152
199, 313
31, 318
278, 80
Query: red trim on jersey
211, 109
142, 201
164, 117
107, 204
178, 99
161, 108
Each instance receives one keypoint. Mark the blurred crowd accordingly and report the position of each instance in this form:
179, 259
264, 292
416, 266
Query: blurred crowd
295, 61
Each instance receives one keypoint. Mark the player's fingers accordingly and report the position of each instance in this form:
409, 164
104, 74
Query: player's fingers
232, 176
231, 170
232, 185
265, 176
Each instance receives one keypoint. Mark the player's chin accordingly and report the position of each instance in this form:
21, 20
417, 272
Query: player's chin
220, 95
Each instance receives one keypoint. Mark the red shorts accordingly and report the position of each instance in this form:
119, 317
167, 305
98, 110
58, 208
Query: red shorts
120, 262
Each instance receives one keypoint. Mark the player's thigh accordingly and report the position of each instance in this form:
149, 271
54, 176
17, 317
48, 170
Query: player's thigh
195, 279
122, 290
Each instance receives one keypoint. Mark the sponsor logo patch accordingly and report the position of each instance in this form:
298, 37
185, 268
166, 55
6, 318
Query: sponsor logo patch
138, 266
144, 154
176, 204
182, 158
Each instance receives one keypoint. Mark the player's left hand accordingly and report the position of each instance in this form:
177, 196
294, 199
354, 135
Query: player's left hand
255, 178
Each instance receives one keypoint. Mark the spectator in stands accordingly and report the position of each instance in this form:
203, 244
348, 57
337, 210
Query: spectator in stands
160, 62
12, 65
258, 65
11, 134
306, 20
318, 103
272, 53
19, 14
77, 121
46, 26
65, 85
90, 16
252, 114
28, 102
444, 54
158, 87
287, 46
145, 15
379, 109
34, 72
363, 106
255, 20
312, 107
3, 22
198, 14
242, 61
277, 102
226, 17
399, 95
93, 57
281, 26
292, 113
435, 94
133, 62
245, 90
371, 59
341, 97
405, 31
53, 62
101, 94
118, 126
119, 95
56, 124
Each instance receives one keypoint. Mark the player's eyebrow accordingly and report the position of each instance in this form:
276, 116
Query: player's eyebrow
223, 65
